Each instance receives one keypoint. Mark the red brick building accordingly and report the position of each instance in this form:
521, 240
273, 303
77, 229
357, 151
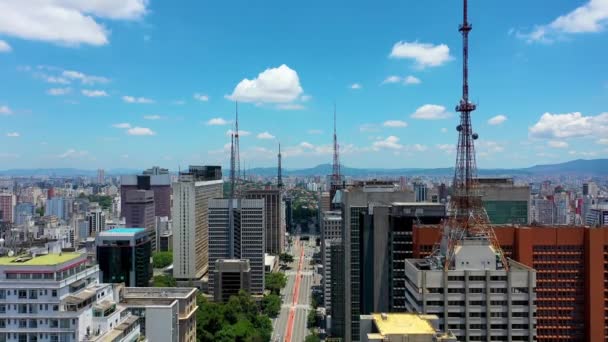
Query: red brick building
572, 275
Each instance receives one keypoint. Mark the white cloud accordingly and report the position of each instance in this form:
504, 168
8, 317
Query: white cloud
497, 120
419, 147
305, 98
412, 80
602, 141
140, 131
315, 131
391, 142
5, 47
490, 146
66, 22
307, 145
290, 106
447, 148
355, 86
570, 125
84, 78
58, 91
122, 125
444, 130
273, 85
590, 17
5, 110
242, 133
201, 97
13, 134
394, 123
94, 93
431, 112
557, 144
217, 122
132, 99
392, 79
265, 135
72, 153
152, 117
425, 54
369, 128
55, 79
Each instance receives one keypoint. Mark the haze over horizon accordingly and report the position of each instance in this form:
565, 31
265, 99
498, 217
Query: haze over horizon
138, 83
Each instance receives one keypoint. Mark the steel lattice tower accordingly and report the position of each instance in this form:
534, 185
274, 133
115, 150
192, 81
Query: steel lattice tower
279, 171
468, 217
237, 157
336, 178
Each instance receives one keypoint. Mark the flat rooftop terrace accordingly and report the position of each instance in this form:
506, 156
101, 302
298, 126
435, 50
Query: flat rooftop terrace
39, 260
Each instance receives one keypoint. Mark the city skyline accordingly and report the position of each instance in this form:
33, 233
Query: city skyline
105, 96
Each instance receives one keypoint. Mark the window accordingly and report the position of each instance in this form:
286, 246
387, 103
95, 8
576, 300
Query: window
22, 294
33, 294
54, 293
2, 308
2, 294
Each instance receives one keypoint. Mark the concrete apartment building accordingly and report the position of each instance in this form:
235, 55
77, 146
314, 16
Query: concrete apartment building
166, 314
140, 213
8, 202
477, 299
571, 298
155, 179
274, 220
191, 195
97, 220
353, 201
504, 201
57, 297
331, 231
245, 240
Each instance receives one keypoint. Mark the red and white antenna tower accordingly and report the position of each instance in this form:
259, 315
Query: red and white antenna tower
468, 217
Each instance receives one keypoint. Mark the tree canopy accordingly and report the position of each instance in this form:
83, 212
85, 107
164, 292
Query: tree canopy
275, 281
164, 281
286, 258
271, 305
162, 259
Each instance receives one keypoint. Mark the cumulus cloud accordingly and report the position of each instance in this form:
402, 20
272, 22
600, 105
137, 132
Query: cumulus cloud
5, 47
431, 112
273, 85
242, 133
217, 122
497, 120
307, 145
13, 134
391, 142
355, 86
84, 78
412, 80
394, 123
569, 125
392, 79
201, 97
66, 22
72, 153
5, 110
424, 54
132, 99
557, 144
152, 117
602, 141
140, 131
58, 91
447, 148
122, 125
290, 106
588, 18
265, 135
94, 93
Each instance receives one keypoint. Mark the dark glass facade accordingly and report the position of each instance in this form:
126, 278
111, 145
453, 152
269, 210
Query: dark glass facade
121, 263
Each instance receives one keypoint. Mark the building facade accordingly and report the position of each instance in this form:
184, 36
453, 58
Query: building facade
140, 213
230, 276
504, 201
8, 202
123, 255
159, 183
274, 220
191, 195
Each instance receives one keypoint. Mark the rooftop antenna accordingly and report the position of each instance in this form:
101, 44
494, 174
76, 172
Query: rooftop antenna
279, 171
336, 179
231, 198
237, 160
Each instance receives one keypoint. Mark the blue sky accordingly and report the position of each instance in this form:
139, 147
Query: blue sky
135, 83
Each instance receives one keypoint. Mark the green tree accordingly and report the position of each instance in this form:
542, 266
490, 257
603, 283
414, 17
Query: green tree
105, 202
312, 338
162, 259
40, 211
275, 281
164, 281
271, 305
286, 258
312, 318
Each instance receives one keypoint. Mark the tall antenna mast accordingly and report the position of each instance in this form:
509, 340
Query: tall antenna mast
231, 199
237, 151
279, 171
336, 179
468, 217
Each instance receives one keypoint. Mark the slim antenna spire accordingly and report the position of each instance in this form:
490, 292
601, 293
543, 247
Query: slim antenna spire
279, 171
336, 178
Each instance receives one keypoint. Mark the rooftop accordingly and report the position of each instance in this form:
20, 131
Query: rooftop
124, 231
404, 323
39, 260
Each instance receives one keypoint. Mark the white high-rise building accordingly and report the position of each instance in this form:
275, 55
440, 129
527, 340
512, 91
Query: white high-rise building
191, 195
331, 231
97, 219
248, 237
57, 297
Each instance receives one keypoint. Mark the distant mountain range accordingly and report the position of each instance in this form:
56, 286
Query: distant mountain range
593, 167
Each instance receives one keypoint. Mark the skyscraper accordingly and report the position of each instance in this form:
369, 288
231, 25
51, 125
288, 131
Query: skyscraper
55, 206
331, 231
139, 213
191, 195
505, 201
101, 176
123, 255
247, 240
420, 191
7, 207
97, 219
156, 179
275, 230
